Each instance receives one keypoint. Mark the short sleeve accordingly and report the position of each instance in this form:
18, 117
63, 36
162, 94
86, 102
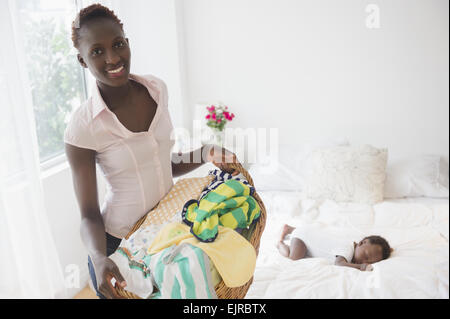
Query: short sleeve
162, 87
347, 251
79, 132
165, 92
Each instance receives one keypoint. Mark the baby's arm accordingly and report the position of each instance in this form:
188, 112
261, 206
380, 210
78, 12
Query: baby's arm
341, 261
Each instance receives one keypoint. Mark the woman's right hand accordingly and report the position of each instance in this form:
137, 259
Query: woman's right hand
105, 270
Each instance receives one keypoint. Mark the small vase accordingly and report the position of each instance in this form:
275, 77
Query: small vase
217, 137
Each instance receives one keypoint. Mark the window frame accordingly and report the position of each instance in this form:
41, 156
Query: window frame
60, 159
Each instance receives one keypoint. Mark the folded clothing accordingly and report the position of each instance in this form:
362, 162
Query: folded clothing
132, 257
228, 248
181, 272
129, 257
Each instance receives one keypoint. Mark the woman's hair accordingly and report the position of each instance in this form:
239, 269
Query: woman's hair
378, 240
90, 13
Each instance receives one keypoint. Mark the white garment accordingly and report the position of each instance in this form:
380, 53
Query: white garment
182, 272
320, 243
138, 282
142, 238
137, 244
137, 166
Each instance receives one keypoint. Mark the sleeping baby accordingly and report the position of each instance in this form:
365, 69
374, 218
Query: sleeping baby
309, 241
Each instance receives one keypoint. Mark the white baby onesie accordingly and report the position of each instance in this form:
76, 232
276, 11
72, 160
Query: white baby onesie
322, 243
139, 279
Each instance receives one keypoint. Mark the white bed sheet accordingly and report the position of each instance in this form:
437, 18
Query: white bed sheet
416, 228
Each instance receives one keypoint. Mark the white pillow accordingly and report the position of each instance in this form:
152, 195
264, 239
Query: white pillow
279, 178
286, 171
347, 174
417, 176
306, 149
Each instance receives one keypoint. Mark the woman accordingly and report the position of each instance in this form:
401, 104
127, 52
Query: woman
125, 127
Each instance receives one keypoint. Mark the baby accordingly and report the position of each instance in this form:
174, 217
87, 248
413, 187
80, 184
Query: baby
309, 241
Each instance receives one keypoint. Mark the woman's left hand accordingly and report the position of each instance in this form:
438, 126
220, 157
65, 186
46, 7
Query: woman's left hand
220, 156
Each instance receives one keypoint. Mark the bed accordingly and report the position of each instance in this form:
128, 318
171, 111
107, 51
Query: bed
411, 211
413, 216
417, 229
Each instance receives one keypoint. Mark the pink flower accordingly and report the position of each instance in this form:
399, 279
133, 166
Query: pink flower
208, 117
219, 120
214, 116
228, 116
212, 107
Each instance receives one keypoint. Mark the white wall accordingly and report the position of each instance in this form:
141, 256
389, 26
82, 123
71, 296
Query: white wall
314, 70
151, 27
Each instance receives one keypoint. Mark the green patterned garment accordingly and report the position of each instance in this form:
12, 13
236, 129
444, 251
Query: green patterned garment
230, 204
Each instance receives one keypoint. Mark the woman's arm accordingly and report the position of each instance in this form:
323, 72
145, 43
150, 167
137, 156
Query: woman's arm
92, 229
183, 163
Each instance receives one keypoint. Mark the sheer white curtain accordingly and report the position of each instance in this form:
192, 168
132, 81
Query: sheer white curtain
29, 265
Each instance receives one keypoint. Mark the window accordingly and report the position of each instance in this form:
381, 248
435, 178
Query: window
57, 80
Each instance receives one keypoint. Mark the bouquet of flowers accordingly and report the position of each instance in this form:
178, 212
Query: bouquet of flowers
218, 116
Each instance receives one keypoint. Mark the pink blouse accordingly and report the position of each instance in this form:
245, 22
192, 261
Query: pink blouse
137, 166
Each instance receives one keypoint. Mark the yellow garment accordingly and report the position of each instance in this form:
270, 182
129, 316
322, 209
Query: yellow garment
233, 256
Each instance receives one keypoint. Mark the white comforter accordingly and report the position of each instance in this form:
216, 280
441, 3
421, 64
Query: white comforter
417, 229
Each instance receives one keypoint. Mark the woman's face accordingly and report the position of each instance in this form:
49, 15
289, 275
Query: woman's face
104, 49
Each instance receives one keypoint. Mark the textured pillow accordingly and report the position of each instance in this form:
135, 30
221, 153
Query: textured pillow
347, 174
288, 173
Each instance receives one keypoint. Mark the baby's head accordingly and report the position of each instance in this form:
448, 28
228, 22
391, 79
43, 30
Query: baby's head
371, 249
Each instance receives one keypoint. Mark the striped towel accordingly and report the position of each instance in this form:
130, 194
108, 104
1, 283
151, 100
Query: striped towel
228, 203
181, 272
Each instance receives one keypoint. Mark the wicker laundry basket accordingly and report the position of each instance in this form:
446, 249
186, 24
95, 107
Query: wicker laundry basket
222, 291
